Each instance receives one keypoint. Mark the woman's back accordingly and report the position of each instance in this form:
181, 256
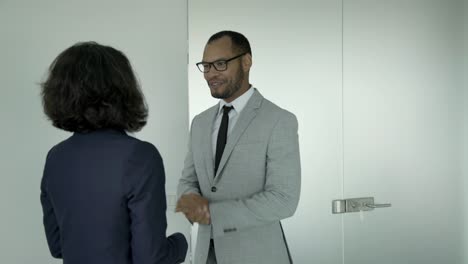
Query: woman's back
104, 186
102, 192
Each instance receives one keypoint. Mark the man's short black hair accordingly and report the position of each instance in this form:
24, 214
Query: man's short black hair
239, 41
90, 87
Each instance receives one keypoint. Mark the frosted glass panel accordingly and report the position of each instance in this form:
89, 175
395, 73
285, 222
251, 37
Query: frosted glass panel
402, 99
464, 186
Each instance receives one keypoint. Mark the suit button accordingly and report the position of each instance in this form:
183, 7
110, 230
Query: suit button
213, 189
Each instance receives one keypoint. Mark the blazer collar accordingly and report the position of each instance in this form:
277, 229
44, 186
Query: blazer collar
245, 117
206, 143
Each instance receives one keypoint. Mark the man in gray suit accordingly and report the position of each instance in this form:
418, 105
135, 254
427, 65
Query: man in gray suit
242, 171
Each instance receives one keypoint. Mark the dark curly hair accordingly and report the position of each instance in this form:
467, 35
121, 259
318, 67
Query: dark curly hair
90, 87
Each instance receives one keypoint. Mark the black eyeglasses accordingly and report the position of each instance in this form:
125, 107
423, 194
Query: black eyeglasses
219, 65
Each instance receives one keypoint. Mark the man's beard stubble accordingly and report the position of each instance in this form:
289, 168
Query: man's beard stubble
231, 88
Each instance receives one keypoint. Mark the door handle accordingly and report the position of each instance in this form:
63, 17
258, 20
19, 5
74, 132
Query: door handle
356, 205
378, 205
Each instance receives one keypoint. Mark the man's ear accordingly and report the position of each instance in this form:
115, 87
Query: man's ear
247, 62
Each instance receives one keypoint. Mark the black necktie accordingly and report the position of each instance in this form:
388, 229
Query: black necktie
222, 136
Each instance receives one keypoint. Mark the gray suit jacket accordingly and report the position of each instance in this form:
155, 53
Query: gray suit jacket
257, 183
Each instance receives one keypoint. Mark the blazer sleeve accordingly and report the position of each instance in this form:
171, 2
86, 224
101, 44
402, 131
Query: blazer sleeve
280, 196
188, 182
146, 201
51, 226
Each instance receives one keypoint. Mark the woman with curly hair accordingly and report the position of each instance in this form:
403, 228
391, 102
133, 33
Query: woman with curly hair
102, 191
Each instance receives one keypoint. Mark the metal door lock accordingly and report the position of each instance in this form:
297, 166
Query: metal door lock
355, 205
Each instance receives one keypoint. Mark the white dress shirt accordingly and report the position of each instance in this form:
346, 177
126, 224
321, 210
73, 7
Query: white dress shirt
238, 104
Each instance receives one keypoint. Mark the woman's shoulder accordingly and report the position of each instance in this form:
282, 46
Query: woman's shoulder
143, 149
119, 144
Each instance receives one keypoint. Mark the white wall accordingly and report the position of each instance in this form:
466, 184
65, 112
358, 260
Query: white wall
153, 34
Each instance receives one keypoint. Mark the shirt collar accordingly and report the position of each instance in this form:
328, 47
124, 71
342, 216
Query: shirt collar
239, 103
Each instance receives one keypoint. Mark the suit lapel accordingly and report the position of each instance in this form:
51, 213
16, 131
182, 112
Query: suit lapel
207, 144
246, 116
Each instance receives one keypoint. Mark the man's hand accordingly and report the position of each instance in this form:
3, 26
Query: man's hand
195, 208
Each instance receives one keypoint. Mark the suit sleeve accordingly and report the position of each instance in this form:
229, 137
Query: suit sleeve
280, 196
188, 182
51, 226
146, 201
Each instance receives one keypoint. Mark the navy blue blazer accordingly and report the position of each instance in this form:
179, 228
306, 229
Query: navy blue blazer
104, 202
